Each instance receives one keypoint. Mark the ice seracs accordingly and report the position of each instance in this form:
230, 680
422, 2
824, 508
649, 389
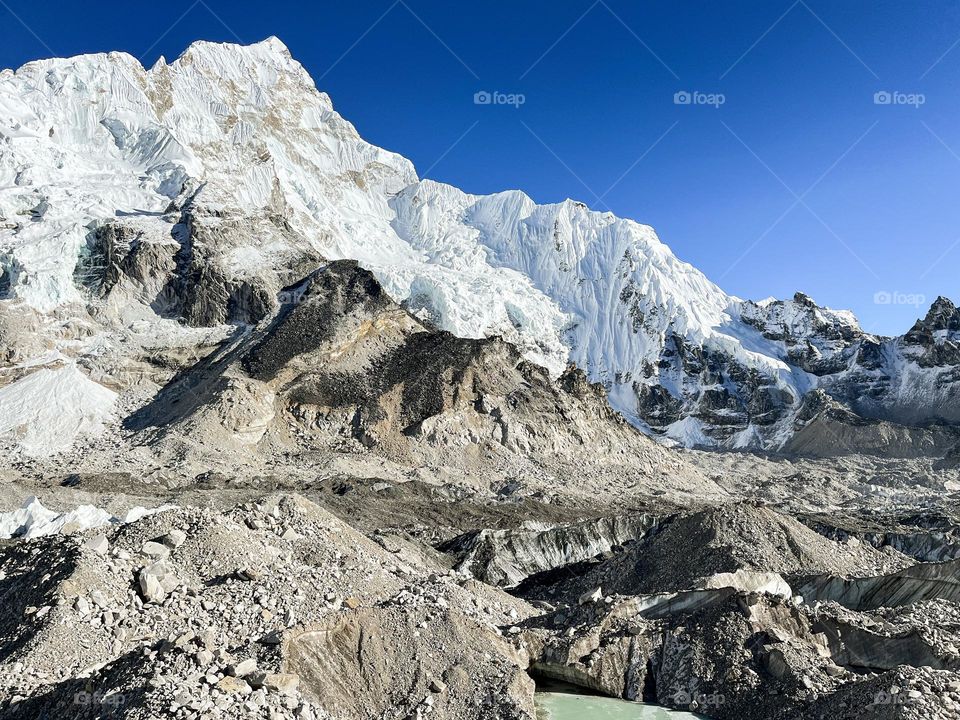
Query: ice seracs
33, 520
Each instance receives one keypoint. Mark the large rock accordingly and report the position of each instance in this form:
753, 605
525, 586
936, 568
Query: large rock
379, 660
342, 364
157, 580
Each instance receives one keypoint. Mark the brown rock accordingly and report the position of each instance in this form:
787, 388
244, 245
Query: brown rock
234, 685
285, 683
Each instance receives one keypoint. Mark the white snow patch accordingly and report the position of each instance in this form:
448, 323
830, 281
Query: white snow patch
746, 438
47, 410
689, 433
34, 520
750, 581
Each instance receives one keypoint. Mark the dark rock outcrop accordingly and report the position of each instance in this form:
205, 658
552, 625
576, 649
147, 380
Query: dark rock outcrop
507, 557
856, 380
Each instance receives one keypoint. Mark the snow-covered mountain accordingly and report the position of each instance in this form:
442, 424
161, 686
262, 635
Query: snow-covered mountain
139, 209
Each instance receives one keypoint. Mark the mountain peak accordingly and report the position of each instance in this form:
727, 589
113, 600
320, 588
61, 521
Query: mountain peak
270, 51
942, 304
233, 59
271, 45
943, 315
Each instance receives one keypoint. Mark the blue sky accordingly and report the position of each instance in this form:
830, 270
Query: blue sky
799, 180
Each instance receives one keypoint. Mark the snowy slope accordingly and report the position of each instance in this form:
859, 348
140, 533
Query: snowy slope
97, 136
620, 290
228, 169
46, 410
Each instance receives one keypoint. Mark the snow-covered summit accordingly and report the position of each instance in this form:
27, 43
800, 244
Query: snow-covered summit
97, 136
198, 189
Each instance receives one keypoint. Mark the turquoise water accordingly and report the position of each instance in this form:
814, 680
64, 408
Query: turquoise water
569, 706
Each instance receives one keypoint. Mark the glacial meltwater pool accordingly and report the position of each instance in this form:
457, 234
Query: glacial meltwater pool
570, 706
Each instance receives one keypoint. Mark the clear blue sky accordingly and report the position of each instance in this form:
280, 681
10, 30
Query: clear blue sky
721, 187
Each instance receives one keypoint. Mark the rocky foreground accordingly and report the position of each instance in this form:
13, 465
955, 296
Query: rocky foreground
276, 607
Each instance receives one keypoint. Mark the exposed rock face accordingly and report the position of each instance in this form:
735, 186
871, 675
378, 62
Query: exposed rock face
909, 380
508, 557
850, 391
935, 581
937, 337
737, 405
185, 268
825, 427
325, 309
382, 662
723, 400
813, 336
854, 646
686, 551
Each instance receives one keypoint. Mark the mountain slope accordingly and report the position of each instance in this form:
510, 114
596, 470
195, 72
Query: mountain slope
137, 204
343, 369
